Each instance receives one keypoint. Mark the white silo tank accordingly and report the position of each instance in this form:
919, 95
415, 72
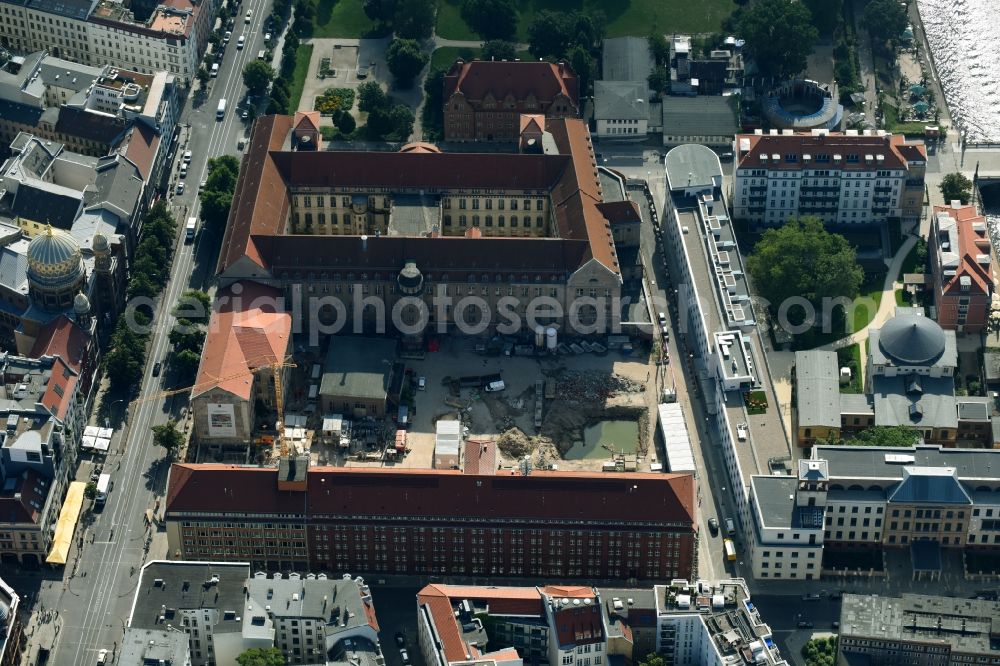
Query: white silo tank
551, 338
539, 336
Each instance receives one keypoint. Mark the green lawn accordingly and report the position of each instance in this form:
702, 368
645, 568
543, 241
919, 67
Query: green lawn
624, 17
892, 123
862, 316
343, 18
900, 298
302, 58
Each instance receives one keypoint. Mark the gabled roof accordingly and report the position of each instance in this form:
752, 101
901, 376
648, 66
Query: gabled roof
969, 253
60, 391
544, 80
246, 333
895, 152
707, 115
64, 338
626, 59
622, 100
22, 497
936, 485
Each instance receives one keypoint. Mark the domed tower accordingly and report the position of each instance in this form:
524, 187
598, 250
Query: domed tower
81, 308
102, 254
55, 270
411, 282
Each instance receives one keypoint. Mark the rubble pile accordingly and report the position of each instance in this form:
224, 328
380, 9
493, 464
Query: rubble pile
591, 386
514, 444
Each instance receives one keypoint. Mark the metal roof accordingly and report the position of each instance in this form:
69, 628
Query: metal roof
912, 339
709, 115
817, 388
620, 100
626, 59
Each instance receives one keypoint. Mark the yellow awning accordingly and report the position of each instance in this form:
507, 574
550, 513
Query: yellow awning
68, 517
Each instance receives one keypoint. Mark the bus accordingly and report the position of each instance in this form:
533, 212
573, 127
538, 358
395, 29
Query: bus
220, 112
190, 228
103, 486
730, 550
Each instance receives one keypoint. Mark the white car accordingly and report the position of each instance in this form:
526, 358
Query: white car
187, 157
422, 384
229, 35
239, 44
742, 432
102, 656
249, 16
184, 171
180, 188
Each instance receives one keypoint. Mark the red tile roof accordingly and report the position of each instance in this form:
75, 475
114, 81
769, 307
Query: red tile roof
553, 496
141, 151
256, 228
480, 456
63, 338
441, 600
893, 149
24, 501
620, 212
244, 333
971, 244
479, 78
60, 391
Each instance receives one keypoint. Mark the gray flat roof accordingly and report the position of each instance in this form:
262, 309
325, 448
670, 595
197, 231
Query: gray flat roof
185, 586
777, 508
626, 59
358, 367
705, 115
414, 214
620, 99
151, 646
869, 462
965, 624
935, 405
817, 388
692, 165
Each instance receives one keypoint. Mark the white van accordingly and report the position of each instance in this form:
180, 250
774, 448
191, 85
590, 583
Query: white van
103, 488
220, 112
240, 42
215, 69
262, 54
493, 387
190, 228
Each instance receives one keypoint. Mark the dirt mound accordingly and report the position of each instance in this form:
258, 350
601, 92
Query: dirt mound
514, 444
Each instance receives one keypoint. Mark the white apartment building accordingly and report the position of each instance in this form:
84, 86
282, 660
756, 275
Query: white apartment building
104, 32
711, 624
844, 179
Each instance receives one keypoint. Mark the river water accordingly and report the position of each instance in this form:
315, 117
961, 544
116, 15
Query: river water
963, 37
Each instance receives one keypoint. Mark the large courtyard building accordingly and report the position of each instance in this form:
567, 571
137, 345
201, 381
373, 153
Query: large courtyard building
844, 179
419, 240
440, 522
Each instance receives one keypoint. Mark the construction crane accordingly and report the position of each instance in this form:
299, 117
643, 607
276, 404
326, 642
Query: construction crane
279, 393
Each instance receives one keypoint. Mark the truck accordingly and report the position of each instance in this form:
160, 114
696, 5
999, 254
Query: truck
220, 112
190, 228
103, 486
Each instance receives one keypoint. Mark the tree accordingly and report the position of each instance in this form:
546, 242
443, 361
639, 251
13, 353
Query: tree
826, 14
653, 660
779, 36
499, 49
203, 77
885, 19
414, 19
371, 97
802, 259
659, 47
90, 490
126, 356
659, 79
257, 76
820, 651
401, 119
548, 34
168, 436
261, 657
901, 435
380, 11
186, 362
194, 306
222, 173
491, 19
280, 99
305, 17
584, 64
215, 206
405, 59
345, 123
187, 335
956, 187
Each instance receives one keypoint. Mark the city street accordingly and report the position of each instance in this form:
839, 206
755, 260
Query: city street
95, 596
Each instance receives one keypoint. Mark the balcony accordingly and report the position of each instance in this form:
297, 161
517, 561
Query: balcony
881, 200
818, 208
820, 188
758, 188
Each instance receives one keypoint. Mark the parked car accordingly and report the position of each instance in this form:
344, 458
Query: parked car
187, 157
102, 656
422, 383
404, 655
713, 526
741, 432
180, 188
227, 37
